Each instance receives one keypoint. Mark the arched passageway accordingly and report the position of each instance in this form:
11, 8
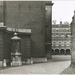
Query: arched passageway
62, 52
68, 51
56, 51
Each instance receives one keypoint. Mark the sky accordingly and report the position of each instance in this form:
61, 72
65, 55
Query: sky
63, 10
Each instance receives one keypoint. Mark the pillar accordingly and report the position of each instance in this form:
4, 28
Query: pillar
54, 51
2, 52
65, 51
59, 51
70, 51
48, 27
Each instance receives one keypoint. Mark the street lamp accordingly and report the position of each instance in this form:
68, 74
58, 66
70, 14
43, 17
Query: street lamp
16, 50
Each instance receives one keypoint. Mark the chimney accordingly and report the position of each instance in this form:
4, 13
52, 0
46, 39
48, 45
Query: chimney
74, 12
60, 23
74, 16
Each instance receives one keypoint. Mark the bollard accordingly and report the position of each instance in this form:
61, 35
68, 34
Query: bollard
45, 59
4, 63
31, 60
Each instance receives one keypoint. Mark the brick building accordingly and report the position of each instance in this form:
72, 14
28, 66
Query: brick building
73, 41
33, 23
61, 38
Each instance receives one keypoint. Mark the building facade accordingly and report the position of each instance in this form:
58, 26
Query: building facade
33, 22
73, 42
61, 38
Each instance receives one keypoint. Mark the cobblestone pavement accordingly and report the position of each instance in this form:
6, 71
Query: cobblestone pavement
54, 66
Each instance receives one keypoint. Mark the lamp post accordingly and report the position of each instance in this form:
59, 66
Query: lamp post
16, 50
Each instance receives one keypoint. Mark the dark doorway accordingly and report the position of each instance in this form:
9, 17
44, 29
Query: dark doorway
57, 51
62, 52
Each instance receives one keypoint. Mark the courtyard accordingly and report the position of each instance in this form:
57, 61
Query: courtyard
56, 65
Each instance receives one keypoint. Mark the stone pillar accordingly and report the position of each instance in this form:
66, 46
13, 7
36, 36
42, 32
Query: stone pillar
48, 28
54, 51
65, 51
2, 33
59, 51
73, 41
70, 51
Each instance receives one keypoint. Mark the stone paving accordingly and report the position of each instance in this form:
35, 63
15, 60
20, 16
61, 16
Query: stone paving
54, 66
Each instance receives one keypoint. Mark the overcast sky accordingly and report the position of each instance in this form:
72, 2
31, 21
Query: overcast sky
63, 10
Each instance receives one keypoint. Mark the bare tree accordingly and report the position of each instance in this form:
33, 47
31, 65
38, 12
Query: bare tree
54, 22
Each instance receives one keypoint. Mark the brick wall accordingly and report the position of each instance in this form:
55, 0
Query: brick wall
1, 11
28, 15
2, 32
1, 45
26, 47
7, 45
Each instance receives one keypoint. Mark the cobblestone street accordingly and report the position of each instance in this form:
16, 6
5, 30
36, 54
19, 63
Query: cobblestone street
54, 66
